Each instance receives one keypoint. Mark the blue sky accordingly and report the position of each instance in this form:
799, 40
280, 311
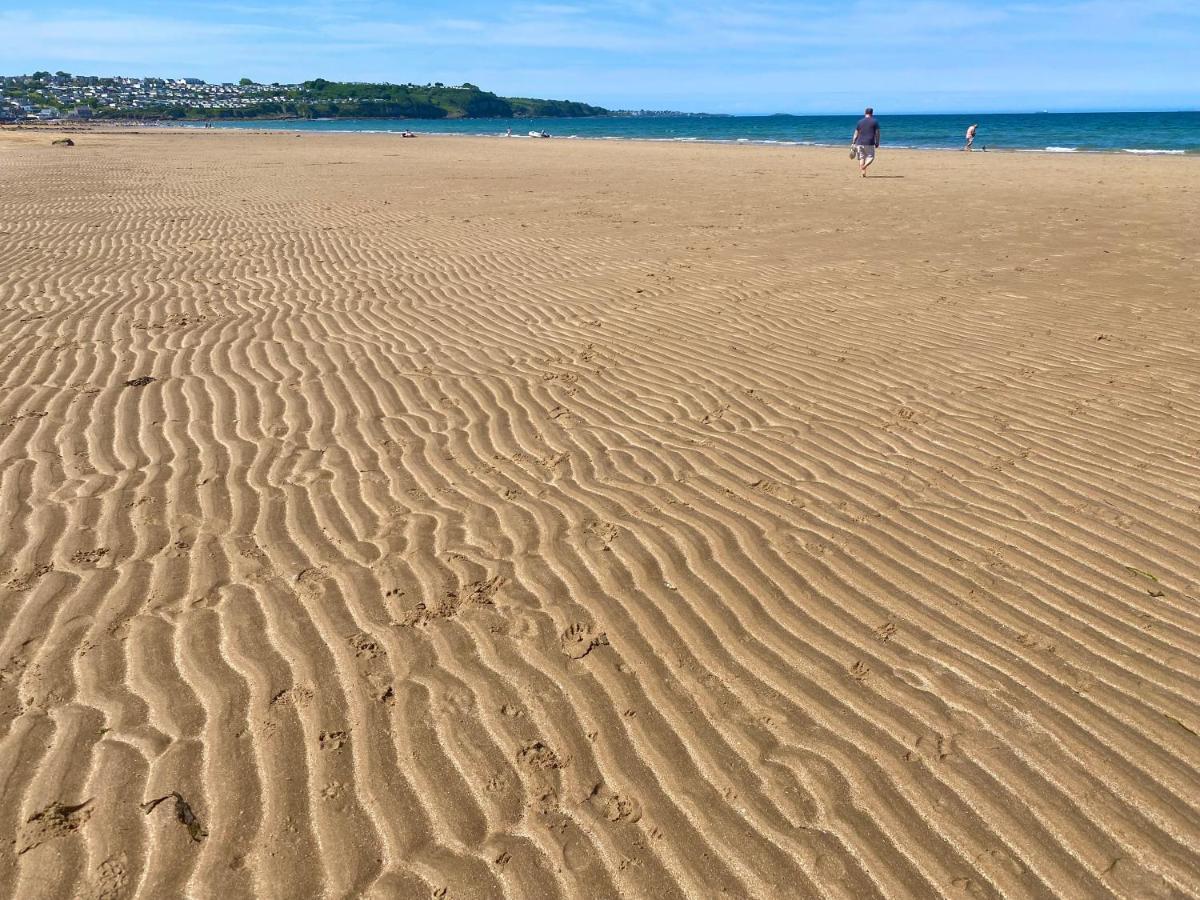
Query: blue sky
749, 57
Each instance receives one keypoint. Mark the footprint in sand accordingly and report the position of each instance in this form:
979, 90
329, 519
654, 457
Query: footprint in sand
333, 740
613, 806
382, 688
599, 535
538, 755
89, 557
365, 646
581, 639
111, 879
25, 580
298, 696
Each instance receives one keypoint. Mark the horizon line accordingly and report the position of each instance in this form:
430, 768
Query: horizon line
693, 112
994, 112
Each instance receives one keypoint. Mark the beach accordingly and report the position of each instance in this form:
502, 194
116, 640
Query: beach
474, 518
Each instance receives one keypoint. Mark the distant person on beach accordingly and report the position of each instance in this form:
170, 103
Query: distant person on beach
970, 137
866, 140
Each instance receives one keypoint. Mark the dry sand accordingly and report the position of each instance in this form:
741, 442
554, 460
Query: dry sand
564, 519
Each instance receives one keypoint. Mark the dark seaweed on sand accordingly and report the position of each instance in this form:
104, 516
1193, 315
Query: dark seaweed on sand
183, 813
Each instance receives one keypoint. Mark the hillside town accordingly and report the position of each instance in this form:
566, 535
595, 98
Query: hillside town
61, 96
48, 97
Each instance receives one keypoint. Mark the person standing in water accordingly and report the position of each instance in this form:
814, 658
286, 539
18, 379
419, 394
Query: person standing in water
866, 140
970, 137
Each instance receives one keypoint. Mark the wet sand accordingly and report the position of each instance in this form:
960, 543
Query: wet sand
471, 518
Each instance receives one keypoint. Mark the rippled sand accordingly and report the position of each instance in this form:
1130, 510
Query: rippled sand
471, 518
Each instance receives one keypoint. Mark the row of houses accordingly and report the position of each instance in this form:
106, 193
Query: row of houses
45, 96
17, 111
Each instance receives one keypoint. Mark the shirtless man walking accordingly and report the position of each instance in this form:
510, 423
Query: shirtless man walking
866, 140
970, 137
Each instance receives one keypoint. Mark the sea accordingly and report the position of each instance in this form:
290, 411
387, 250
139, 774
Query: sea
1149, 133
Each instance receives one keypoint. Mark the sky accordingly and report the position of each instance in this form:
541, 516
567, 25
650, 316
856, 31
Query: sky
751, 57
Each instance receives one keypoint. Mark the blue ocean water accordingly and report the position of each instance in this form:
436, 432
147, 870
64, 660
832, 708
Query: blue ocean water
1131, 132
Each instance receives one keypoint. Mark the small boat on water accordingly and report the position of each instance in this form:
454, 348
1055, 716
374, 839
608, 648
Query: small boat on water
539, 134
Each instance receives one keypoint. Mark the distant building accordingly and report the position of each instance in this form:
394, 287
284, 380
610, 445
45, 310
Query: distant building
80, 112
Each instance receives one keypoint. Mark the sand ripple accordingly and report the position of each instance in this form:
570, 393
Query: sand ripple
456, 520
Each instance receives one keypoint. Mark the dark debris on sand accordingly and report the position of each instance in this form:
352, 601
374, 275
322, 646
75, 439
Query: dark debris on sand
183, 812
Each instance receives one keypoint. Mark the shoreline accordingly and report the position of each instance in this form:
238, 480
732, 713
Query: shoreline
258, 127
701, 140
